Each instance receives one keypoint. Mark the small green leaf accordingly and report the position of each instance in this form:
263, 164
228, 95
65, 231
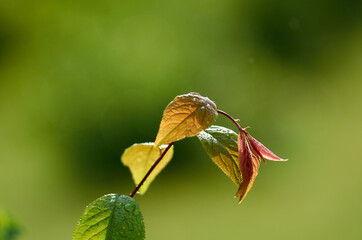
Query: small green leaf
140, 157
221, 144
186, 116
9, 228
111, 217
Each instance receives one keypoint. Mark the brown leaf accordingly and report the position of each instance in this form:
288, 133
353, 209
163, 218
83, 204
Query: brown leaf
185, 116
249, 166
262, 151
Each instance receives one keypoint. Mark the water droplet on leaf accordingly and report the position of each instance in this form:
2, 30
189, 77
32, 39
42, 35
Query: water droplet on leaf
129, 207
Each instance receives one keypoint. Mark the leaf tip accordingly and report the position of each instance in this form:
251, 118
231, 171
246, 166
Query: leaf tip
240, 194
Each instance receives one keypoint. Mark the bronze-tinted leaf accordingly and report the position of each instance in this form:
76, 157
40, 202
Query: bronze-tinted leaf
262, 150
140, 157
185, 116
249, 166
221, 144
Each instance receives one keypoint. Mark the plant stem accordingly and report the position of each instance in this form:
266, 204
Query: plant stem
232, 119
151, 169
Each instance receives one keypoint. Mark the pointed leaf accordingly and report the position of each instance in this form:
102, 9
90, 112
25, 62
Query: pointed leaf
262, 150
113, 217
249, 166
140, 157
185, 116
221, 145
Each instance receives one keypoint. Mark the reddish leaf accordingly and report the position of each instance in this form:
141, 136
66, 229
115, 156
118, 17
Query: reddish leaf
249, 166
262, 151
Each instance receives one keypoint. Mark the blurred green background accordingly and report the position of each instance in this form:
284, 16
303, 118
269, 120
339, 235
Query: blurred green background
80, 81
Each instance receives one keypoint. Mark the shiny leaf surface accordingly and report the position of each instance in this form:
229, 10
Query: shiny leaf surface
111, 217
221, 145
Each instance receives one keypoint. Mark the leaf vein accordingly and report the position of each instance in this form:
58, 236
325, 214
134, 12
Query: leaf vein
98, 232
90, 226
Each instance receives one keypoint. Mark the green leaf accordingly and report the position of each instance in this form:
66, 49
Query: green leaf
140, 157
221, 144
9, 228
111, 217
186, 116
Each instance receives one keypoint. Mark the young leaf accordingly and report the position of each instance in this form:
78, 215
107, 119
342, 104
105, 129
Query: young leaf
113, 217
221, 145
262, 151
186, 116
249, 166
140, 157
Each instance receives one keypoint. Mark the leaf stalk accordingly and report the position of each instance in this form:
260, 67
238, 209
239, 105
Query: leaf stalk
232, 119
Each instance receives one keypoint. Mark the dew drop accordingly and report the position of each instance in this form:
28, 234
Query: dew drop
136, 213
129, 207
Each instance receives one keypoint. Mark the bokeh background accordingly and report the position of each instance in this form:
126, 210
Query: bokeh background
80, 81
